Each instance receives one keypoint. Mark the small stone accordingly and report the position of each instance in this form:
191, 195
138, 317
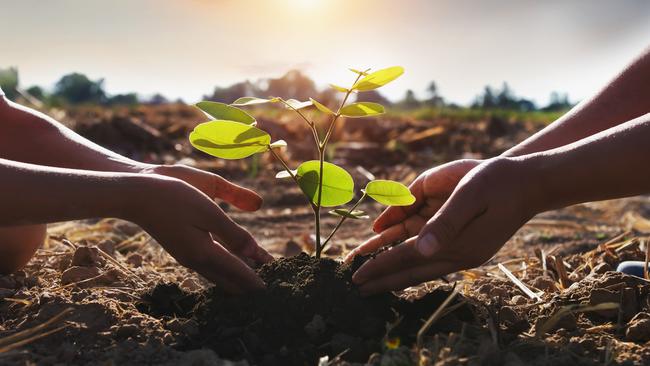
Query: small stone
316, 327
134, 259
545, 283
108, 247
519, 300
76, 274
638, 329
508, 315
87, 257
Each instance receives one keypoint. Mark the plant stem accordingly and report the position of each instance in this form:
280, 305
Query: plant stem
321, 154
311, 124
336, 228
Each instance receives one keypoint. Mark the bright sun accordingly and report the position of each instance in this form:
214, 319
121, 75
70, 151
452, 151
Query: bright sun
305, 4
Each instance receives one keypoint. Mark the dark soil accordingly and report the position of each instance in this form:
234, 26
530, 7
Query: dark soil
309, 309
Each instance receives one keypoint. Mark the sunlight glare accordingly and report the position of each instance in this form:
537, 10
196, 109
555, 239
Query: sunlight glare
305, 4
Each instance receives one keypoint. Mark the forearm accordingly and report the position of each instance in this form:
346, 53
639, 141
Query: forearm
31, 137
32, 194
624, 98
607, 165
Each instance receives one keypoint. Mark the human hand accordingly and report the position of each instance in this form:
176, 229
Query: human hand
431, 189
197, 233
486, 208
213, 185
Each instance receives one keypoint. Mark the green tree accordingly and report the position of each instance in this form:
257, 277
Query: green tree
9, 81
410, 100
76, 88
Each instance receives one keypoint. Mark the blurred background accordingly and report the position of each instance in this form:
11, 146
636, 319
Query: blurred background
184, 49
480, 75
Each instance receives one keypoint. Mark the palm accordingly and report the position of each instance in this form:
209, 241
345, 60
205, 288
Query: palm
431, 189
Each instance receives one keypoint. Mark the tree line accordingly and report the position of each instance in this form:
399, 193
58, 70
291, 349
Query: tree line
77, 88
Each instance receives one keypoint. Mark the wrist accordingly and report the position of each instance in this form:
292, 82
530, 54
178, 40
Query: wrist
139, 194
537, 180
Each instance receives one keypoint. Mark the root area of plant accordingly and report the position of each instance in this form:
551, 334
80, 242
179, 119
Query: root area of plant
309, 309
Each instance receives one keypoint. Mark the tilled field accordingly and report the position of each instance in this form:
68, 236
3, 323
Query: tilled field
103, 292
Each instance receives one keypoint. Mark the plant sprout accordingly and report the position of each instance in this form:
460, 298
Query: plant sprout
231, 134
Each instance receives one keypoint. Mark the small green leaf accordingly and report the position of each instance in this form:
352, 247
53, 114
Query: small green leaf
344, 212
296, 104
253, 100
389, 193
378, 78
321, 107
338, 186
229, 140
362, 73
223, 111
284, 174
339, 88
362, 109
279, 143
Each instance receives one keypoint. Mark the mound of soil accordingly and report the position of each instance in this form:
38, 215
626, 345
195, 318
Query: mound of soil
309, 309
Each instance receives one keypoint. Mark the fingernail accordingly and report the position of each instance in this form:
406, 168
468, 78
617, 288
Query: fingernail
427, 244
348, 258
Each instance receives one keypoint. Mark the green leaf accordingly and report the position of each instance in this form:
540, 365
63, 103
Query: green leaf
253, 100
284, 174
344, 212
362, 109
296, 104
229, 140
378, 78
338, 186
362, 73
223, 111
321, 107
389, 193
339, 88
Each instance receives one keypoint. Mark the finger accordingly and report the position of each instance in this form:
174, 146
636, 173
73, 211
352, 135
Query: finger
401, 231
224, 268
393, 260
195, 249
465, 204
396, 214
407, 277
231, 235
236, 195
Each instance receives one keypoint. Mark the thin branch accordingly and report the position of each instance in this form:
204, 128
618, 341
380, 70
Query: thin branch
338, 225
321, 152
311, 124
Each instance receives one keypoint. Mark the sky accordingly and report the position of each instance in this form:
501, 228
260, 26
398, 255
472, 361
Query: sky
184, 48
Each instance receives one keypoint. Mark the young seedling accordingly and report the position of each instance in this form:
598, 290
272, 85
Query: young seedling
231, 134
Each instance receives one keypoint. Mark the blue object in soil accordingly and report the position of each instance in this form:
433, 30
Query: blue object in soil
634, 268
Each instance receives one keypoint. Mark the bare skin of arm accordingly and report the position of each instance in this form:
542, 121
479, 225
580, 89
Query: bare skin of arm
497, 197
52, 174
180, 217
626, 97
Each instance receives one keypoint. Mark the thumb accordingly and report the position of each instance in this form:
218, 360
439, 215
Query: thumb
238, 196
443, 228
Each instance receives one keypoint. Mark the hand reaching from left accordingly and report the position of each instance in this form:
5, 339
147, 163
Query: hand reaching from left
213, 185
